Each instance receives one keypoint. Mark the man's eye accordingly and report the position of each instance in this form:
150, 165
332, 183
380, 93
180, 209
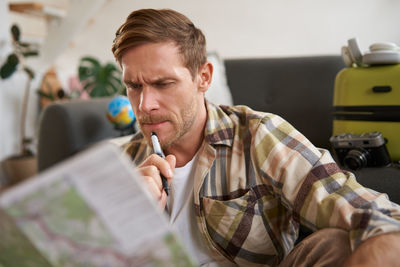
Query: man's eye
164, 85
134, 86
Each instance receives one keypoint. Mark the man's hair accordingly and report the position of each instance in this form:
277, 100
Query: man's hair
162, 25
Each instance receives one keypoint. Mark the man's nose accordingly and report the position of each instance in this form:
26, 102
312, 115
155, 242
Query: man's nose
148, 100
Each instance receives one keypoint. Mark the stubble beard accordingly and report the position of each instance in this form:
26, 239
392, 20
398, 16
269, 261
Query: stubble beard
188, 114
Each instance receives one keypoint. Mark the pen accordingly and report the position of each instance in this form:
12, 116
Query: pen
157, 149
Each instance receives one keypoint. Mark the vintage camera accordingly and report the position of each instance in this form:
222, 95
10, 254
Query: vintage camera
356, 151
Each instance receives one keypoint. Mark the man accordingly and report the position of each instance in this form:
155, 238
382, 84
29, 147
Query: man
241, 181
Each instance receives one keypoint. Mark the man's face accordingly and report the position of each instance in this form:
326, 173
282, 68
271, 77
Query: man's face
163, 95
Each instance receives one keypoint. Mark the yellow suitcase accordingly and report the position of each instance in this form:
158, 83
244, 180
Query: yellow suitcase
367, 99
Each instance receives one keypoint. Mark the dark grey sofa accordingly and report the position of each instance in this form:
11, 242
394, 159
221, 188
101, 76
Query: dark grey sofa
300, 89
68, 127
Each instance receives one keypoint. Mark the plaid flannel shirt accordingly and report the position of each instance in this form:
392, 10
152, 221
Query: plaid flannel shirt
258, 178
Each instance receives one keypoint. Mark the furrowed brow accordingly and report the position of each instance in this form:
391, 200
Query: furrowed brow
131, 83
162, 80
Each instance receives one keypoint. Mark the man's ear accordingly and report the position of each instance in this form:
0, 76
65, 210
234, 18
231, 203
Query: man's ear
205, 77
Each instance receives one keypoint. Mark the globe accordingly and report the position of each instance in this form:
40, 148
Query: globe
120, 113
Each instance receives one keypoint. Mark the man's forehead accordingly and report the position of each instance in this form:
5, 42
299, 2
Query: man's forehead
152, 62
137, 72
167, 50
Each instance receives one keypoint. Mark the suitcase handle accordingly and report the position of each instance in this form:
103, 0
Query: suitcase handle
382, 89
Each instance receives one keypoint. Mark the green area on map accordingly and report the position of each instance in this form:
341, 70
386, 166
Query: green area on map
54, 226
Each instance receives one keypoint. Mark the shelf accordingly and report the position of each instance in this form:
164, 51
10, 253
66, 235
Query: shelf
38, 9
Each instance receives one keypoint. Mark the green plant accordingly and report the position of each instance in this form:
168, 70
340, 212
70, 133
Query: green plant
17, 60
100, 80
21, 51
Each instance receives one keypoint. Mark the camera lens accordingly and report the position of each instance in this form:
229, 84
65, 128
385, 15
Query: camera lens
356, 159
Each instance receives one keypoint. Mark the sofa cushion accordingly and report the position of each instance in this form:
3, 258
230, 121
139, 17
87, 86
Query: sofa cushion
299, 89
71, 126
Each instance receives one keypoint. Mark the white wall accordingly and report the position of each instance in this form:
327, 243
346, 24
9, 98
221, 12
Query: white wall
254, 28
11, 97
234, 28
12, 89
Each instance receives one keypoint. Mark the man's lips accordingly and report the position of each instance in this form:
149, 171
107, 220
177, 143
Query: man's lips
153, 125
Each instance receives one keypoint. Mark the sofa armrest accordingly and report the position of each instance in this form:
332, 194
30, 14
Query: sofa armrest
66, 128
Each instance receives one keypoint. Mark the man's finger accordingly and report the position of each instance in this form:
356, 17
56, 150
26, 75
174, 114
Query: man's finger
154, 188
171, 159
163, 200
151, 171
162, 164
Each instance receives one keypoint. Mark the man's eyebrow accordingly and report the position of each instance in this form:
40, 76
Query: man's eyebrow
155, 81
131, 83
161, 80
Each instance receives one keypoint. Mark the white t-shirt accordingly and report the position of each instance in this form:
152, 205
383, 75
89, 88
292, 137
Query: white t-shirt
182, 214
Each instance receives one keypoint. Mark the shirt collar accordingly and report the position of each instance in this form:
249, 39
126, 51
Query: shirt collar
219, 128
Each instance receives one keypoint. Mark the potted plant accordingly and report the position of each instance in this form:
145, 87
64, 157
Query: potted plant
100, 80
22, 165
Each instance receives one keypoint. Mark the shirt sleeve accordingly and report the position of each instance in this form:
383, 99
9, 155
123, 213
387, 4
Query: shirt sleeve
311, 185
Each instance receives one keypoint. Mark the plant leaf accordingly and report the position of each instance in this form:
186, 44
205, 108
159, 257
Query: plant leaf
116, 79
88, 86
15, 32
27, 140
110, 67
85, 73
7, 70
45, 95
25, 45
10, 66
13, 59
30, 72
91, 61
99, 80
31, 53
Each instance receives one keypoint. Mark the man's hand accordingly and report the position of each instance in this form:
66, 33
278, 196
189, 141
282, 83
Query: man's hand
382, 250
151, 169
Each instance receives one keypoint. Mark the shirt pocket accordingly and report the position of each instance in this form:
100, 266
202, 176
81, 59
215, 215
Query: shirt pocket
238, 227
